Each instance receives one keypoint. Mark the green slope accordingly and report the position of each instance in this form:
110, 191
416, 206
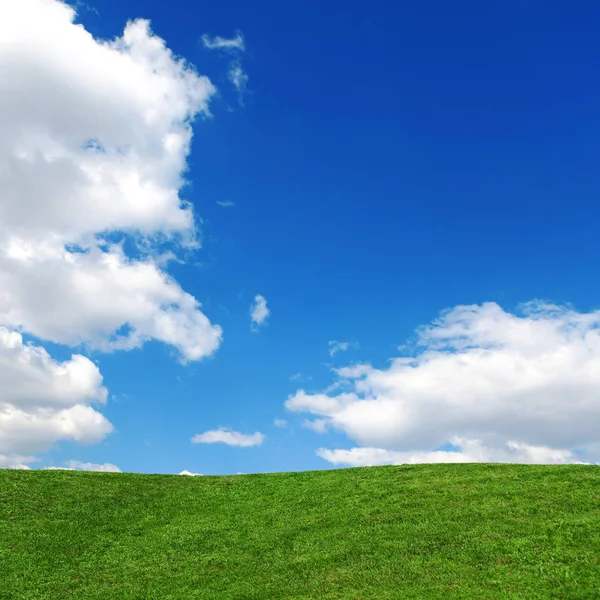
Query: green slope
423, 531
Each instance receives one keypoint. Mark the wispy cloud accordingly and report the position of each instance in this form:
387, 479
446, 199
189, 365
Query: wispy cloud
467, 451
225, 203
220, 43
280, 423
236, 74
300, 377
239, 78
259, 312
75, 465
317, 425
335, 347
229, 437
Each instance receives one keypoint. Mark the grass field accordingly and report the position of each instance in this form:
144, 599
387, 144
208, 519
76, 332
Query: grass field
422, 531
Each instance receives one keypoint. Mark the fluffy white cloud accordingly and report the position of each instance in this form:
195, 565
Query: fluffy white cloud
31, 380
220, 43
190, 474
95, 134
95, 140
229, 437
88, 297
43, 401
94, 146
259, 311
517, 387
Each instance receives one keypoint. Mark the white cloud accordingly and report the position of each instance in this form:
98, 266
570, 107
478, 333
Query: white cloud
86, 466
94, 146
219, 43
225, 203
335, 347
259, 311
53, 468
280, 423
75, 465
316, 425
189, 473
468, 451
43, 401
236, 74
229, 437
95, 140
515, 387
88, 297
239, 79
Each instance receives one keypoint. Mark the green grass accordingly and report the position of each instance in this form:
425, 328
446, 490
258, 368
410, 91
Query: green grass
423, 531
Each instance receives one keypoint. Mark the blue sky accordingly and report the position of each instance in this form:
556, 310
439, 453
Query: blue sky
386, 162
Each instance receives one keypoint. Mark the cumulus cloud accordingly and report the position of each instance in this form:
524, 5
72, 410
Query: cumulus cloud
190, 474
89, 297
229, 437
94, 146
259, 312
521, 387
335, 347
43, 401
220, 43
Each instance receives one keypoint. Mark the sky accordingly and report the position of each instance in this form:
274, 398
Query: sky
260, 237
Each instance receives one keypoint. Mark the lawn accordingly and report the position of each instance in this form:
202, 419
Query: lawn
419, 531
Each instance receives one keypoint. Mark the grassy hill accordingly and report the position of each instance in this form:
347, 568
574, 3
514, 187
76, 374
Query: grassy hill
422, 531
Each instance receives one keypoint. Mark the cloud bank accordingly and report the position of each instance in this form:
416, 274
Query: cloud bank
497, 386
93, 152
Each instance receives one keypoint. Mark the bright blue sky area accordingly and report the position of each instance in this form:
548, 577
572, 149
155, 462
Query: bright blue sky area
391, 160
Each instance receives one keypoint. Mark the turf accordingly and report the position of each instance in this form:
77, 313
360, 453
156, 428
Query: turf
421, 531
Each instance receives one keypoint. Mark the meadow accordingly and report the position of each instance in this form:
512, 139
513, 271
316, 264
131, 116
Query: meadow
472, 531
